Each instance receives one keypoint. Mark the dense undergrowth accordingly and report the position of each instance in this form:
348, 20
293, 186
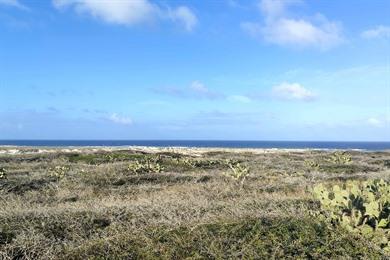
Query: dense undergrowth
247, 238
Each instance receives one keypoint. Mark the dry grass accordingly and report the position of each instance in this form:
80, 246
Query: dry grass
100, 209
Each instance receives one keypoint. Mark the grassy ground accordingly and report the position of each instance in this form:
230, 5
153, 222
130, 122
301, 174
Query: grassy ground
97, 207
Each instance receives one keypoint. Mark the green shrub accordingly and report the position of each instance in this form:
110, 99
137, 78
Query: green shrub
361, 207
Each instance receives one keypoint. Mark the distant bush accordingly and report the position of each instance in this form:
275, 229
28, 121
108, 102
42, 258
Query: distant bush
360, 207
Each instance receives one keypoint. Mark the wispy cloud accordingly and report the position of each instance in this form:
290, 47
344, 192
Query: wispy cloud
218, 117
283, 91
14, 3
235, 4
206, 119
53, 109
374, 122
292, 91
282, 29
196, 90
380, 31
130, 12
119, 119
379, 121
184, 15
239, 98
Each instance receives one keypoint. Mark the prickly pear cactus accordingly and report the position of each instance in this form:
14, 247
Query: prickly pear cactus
146, 166
361, 207
311, 165
190, 163
340, 157
59, 172
238, 171
198, 163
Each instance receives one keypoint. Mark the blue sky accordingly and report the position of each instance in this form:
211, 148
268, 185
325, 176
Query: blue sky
218, 69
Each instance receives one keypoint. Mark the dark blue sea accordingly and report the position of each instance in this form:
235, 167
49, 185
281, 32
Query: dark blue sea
198, 143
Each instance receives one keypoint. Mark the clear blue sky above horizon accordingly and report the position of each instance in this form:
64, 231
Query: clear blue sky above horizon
219, 69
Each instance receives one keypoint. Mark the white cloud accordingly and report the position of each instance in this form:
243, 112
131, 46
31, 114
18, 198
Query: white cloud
129, 12
380, 31
374, 122
379, 121
13, 3
118, 119
294, 32
276, 8
292, 91
199, 90
186, 16
117, 12
239, 98
279, 28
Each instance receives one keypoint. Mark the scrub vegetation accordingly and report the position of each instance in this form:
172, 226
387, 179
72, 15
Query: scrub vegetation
149, 203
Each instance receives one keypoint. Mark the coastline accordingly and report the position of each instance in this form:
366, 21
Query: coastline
218, 144
16, 150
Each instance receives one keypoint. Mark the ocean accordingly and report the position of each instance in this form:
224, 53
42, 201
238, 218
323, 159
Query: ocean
206, 143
